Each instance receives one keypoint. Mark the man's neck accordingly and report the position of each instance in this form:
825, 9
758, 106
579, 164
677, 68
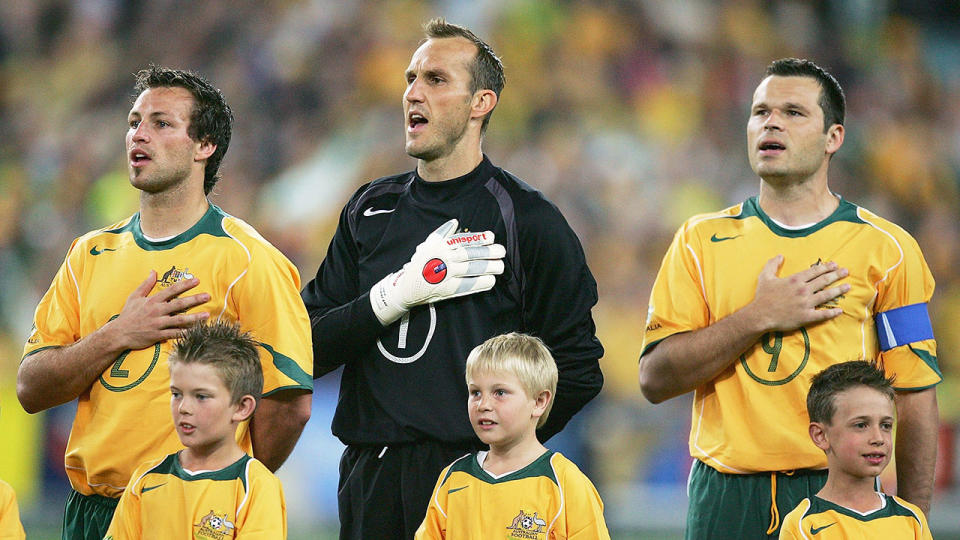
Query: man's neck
163, 215
797, 204
449, 167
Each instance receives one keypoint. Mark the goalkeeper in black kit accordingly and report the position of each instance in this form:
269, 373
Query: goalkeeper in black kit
423, 267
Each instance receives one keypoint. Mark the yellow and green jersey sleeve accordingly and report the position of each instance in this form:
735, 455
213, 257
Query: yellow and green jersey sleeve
548, 499
163, 500
824, 520
128, 407
752, 417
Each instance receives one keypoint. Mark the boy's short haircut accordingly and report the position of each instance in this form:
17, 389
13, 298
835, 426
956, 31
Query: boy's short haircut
232, 352
828, 383
522, 355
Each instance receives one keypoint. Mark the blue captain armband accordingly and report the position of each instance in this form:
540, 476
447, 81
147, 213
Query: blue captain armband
907, 324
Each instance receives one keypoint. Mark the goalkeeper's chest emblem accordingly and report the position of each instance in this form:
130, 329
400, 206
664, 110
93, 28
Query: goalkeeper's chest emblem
434, 271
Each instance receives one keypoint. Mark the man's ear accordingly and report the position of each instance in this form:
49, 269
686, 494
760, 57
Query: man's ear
834, 138
245, 408
818, 434
484, 100
205, 149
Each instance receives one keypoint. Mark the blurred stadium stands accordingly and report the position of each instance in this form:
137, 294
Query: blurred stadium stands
630, 115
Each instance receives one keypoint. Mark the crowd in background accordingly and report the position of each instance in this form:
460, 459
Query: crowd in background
629, 115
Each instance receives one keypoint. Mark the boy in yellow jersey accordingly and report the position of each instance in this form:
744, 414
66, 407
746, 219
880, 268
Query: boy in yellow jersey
518, 489
750, 302
10, 526
212, 489
184, 259
851, 420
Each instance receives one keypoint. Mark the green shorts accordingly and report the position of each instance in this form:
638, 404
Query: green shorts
739, 506
87, 517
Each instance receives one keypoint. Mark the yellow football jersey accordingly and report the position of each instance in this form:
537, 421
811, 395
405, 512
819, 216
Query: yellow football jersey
815, 518
165, 501
10, 526
124, 418
548, 499
752, 417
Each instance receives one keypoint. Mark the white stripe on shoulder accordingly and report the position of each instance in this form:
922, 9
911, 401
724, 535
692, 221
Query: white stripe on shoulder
698, 220
76, 283
226, 294
912, 511
703, 289
871, 304
726, 213
446, 471
246, 482
803, 514
146, 472
560, 489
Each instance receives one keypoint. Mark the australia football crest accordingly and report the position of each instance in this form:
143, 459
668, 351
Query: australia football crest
527, 526
214, 526
173, 275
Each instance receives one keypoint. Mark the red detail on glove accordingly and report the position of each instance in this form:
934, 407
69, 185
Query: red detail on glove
434, 271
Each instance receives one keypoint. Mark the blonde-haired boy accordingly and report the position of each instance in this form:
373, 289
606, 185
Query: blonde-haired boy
523, 489
210, 489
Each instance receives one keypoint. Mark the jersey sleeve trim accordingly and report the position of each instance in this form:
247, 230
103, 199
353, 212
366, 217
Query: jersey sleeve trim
290, 368
35, 351
907, 324
929, 359
654, 343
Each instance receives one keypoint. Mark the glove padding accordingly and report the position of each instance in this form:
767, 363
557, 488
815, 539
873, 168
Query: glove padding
445, 265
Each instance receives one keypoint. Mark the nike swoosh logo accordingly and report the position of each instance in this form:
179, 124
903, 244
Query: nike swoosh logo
94, 251
716, 238
454, 490
371, 212
146, 489
814, 530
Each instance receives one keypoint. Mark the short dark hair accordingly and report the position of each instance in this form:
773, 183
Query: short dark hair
832, 101
486, 72
837, 378
211, 119
232, 352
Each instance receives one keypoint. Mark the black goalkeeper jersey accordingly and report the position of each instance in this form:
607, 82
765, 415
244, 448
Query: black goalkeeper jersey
405, 382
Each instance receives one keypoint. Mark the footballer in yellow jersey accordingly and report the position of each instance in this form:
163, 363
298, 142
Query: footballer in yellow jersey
752, 416
128, 407
548, 499
816, 518
166, 501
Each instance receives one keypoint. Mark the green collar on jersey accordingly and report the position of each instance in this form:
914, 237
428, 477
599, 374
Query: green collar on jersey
846, 211
210, 223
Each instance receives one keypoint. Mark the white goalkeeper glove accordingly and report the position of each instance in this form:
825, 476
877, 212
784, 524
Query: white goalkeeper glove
445, 265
